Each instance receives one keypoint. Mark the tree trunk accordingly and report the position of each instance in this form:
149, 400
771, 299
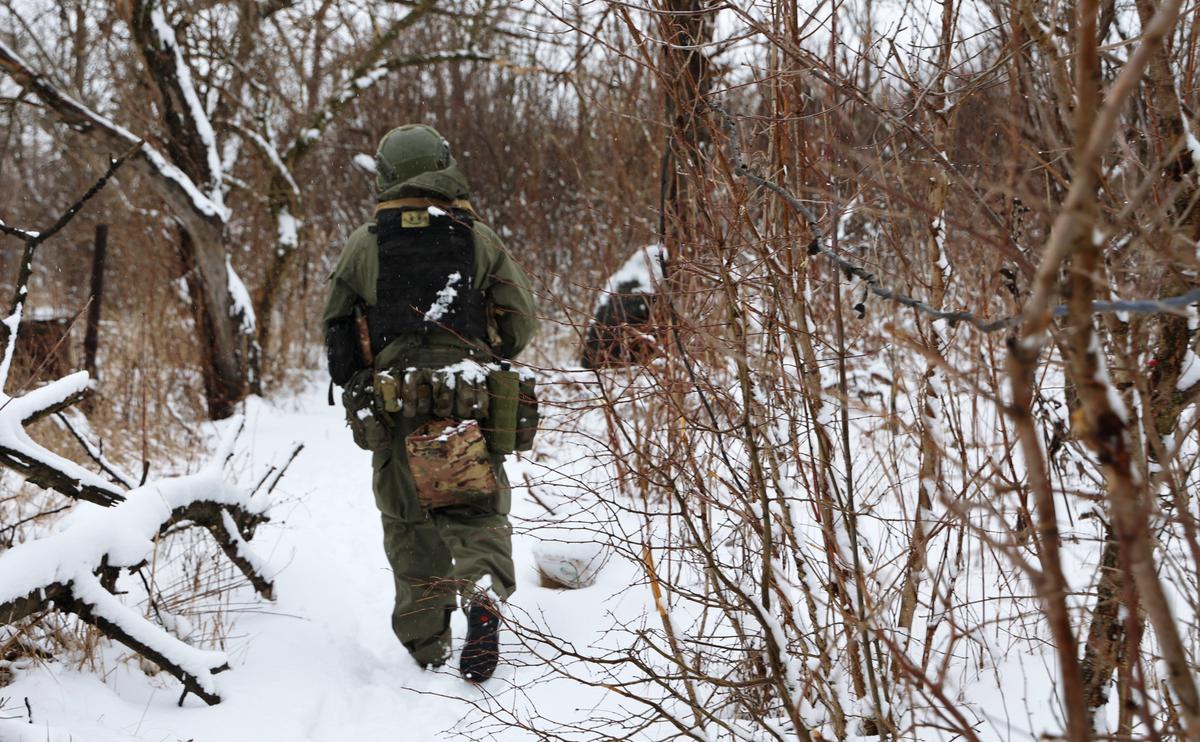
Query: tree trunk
222, 347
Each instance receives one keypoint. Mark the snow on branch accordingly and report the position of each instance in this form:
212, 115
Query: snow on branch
268, 149
66, 571
37, 464
165, 36
172, 183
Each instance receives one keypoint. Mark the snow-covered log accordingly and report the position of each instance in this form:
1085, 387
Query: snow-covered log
66, 571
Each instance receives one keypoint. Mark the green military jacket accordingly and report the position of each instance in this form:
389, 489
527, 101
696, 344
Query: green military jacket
511, 314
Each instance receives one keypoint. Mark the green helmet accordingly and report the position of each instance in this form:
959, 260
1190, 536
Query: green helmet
415, 160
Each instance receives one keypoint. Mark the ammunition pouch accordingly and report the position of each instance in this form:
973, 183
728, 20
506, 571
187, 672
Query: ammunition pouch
505, 405
450, 465
369, 424
447, 393
341, 350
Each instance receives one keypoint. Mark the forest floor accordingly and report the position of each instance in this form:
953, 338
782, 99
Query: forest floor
320, 662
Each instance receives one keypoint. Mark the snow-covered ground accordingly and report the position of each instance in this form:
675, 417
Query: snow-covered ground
320, 662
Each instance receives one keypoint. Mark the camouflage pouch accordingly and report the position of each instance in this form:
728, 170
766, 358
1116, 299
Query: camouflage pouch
450, 464
366, 421
528, 417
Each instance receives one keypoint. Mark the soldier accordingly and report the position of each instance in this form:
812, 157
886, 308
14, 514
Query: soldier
436, 288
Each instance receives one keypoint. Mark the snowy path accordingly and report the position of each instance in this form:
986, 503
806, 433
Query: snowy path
320, 663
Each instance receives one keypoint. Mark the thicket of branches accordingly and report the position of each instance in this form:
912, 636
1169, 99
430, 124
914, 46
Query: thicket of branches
907, 430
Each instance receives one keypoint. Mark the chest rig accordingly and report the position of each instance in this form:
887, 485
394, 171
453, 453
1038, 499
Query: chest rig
426, 277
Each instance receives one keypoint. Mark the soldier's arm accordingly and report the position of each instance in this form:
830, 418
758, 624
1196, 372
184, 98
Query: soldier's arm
346, 281
508, 289
342, 344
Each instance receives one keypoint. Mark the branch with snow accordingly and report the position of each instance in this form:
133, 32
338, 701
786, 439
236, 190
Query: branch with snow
36, 463
164, 35
66, 571
186, 198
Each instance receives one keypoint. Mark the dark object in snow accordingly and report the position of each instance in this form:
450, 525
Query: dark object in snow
621, 333
481, 652
43, 350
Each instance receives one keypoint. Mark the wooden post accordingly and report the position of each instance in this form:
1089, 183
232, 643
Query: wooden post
91, 338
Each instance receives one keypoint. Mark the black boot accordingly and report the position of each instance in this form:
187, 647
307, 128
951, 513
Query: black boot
482, 649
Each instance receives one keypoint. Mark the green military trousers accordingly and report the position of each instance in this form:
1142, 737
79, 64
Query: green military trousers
436, 556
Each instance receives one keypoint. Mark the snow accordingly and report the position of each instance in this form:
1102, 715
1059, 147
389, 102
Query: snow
1189, 375
124, 532
202, 203
22, 233
267, 147
11, 322
365, 161
1193, 144
472, 372
321, 664
640, 273
373, 76
243, 548
445, 295
240, 303
123, 535
196, 662
288, 229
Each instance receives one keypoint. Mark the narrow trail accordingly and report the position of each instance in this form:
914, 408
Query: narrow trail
320, 662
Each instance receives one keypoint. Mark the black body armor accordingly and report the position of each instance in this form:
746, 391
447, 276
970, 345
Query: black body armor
426, 277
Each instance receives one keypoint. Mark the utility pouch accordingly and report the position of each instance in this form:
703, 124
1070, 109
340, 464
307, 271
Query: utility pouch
367, 422
341, 350
416, 394
470, 397
501, 428
442, 385
387, 389
450, 465
527, 415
